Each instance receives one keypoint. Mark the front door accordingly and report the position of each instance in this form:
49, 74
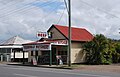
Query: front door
54, 55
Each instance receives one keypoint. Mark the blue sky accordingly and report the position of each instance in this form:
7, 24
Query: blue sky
26, 17
49, 5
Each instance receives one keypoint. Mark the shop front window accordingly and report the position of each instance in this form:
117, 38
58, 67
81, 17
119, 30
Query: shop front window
62, 52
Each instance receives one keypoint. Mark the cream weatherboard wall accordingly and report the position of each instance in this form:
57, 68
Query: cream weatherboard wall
77, 54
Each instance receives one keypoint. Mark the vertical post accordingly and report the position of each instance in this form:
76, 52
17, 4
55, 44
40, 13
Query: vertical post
7, 55
1, 57
69, 35
11, 54
57, 56
50, 57
23, 57
14, 55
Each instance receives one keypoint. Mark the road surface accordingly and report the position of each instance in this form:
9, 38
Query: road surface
23, 71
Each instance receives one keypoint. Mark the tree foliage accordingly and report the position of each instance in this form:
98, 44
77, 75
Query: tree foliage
102, 50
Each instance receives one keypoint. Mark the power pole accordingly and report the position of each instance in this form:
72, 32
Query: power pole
69, 33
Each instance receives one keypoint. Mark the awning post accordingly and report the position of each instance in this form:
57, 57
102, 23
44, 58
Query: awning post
14, 55
50, 57
23, 57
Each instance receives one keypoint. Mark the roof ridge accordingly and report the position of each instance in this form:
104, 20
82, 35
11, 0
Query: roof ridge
14, 39
68, 26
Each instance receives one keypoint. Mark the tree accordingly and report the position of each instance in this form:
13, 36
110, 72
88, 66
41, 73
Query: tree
116, 54
98, 50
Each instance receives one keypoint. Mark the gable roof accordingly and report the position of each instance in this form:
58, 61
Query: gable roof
77, 34
16, 40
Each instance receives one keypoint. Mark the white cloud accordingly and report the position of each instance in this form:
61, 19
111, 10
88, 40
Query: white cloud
97, 16
18, 19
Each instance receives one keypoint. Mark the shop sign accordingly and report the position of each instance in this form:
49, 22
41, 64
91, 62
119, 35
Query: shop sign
29, 47
36, 47
43, 47
42, 34
34, 61
60, 42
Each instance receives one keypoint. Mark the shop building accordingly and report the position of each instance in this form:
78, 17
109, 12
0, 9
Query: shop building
49, 50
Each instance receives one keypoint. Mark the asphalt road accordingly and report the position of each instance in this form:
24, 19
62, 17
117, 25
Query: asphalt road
23, 71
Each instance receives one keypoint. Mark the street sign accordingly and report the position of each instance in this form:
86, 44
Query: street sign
34, 61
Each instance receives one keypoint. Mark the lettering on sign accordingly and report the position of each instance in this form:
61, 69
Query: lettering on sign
60, 42
42, 34
43, 47
37, 47
28, 47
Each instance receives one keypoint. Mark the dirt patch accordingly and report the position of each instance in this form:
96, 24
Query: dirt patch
101, 68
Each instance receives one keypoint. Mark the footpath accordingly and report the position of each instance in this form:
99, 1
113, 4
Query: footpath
42, 66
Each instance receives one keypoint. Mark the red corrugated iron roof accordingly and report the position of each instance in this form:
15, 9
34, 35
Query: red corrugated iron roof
78, 34
46, 42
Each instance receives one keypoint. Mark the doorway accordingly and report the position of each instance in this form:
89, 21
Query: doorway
54, 55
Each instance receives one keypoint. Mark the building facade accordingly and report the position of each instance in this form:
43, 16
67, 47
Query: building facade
58, 43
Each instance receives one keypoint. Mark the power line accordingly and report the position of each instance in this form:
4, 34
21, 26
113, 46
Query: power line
13, 4
19, 10
43, 5
52, 10
9, 4
61, 16
66, 5
12, 11
23, 8
99, 9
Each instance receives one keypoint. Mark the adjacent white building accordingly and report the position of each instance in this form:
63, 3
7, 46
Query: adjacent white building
12, 49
